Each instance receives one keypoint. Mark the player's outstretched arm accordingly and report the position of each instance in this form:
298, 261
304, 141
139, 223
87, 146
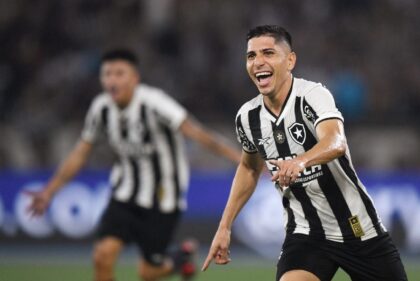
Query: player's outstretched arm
210, 140
243, 186
67, 170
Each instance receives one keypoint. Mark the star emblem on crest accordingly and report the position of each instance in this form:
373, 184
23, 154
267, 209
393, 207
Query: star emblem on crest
298, 133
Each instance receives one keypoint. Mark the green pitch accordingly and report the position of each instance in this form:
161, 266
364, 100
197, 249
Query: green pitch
71, 272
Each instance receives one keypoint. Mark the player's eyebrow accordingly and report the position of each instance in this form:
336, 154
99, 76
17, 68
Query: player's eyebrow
262, 51
250, 53
267, 49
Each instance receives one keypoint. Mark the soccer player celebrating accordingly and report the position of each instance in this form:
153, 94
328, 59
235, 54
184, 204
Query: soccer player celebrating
144, 127
295, 128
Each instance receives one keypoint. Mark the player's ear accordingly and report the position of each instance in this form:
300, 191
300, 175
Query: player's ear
291, 61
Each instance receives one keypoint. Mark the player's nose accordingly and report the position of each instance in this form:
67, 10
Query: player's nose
259, 60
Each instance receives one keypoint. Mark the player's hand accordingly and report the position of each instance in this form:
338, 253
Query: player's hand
40, 202
288, 171
219, 250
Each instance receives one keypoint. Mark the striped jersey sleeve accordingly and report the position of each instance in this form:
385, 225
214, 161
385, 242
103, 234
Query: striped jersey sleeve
319, 105
241, 133
95, 120
169, 110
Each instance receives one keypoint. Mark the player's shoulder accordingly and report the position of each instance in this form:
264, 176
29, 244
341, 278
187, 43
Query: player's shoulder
101, 100
250, 105
150, 92
305, 87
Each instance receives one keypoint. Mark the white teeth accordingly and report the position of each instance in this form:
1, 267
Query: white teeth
262, 74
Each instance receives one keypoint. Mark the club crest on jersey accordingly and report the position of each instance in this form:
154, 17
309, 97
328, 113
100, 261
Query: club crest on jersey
279, 136
298, 133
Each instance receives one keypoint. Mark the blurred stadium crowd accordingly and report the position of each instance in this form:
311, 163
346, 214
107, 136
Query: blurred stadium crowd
365, 52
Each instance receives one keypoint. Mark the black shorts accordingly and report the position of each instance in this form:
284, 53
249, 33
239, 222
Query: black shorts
150, 230
376, 259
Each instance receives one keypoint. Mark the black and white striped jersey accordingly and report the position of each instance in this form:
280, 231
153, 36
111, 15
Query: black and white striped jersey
152, 171
327, 201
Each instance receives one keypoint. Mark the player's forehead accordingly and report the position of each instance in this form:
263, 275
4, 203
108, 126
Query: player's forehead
262, 42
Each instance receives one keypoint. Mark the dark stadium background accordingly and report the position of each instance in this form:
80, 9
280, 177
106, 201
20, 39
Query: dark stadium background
365, 52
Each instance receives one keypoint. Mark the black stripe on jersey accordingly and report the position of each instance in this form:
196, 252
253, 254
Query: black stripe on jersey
246, 143
136, 182
309, 112
124, 127
284, 150
337, 202
327, 183
147, 138
298, 191
171, 142
144, 120
329, 118
345, 165
255, 126
104, 118
291, 224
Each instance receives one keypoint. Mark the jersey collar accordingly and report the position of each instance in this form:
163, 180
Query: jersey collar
285, 108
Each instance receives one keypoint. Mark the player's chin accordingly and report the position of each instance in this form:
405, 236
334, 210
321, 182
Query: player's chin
265, 91
117, 98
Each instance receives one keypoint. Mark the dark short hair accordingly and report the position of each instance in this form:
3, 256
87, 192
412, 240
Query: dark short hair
277, 32
121, 54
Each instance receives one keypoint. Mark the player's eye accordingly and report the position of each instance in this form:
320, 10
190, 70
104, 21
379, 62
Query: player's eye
269, 53
250, 56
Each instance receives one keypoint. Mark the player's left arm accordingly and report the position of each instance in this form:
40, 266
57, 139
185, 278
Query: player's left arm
194, 130
332, 144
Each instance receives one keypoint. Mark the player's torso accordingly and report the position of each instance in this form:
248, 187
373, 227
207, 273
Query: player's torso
284, 136
326, 200
127, 131
152, 170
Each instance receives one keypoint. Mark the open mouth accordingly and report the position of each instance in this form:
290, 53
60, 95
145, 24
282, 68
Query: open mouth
113, 91
263, 77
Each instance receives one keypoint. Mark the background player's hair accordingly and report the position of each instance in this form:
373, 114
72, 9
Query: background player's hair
277, 32
121, 54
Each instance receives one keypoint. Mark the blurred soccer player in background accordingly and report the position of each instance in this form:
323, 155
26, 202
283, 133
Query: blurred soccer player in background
144, 127
295, 128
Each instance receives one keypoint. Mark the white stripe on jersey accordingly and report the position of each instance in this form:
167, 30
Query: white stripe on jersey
167, 188
153, 163
124, 191
145, 195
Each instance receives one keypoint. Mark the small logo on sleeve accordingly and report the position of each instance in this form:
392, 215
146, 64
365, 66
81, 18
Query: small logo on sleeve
246, 143
309, 113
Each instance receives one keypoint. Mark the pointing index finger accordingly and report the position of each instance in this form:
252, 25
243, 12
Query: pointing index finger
207, 262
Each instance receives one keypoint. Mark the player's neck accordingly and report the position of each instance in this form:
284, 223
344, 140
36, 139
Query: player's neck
126, 102
275, 102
